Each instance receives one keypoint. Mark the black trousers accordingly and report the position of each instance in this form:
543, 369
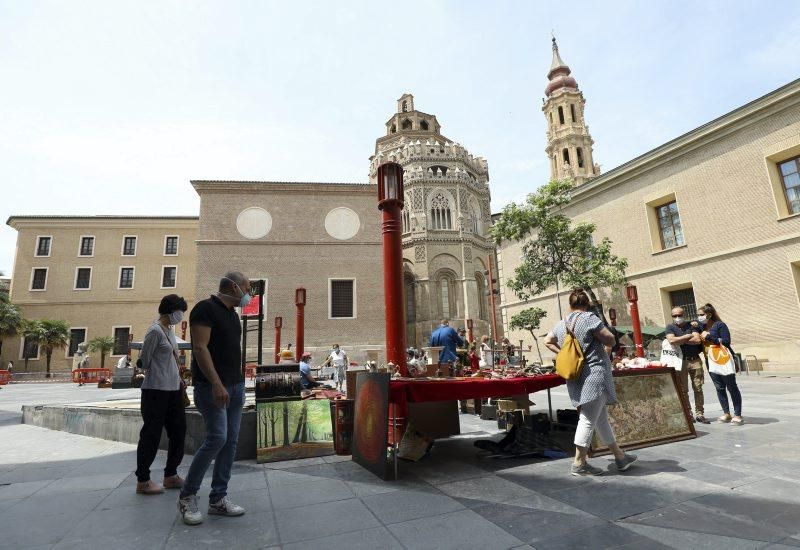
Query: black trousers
160, 410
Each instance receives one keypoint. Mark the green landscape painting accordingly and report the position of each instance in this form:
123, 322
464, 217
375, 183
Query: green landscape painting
291, 429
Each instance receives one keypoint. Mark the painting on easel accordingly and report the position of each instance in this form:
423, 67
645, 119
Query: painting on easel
289, 429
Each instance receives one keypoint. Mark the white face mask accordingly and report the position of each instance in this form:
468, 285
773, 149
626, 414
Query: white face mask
679, 320
702, 318
175, 317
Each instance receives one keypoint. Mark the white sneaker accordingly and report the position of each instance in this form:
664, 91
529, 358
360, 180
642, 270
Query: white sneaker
190, 511
224, 507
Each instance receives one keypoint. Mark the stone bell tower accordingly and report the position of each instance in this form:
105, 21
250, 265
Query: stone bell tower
446, 221
569, 144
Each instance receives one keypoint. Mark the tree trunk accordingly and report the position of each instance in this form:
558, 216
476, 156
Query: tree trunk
538, 350
48, 355
286, 441
102, 360
300, 423
272, 422
26, 361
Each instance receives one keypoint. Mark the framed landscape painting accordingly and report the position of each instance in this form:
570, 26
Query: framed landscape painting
288, 429
650, 410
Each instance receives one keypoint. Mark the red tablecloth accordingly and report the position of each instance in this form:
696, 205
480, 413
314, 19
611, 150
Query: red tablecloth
418, 391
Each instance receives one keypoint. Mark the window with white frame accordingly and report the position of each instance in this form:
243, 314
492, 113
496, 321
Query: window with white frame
126, 277
129, 245
669, 225
790, 176
86, 247
39, 278
171, 245
342, 298
29, 349
83, 278
121, 340
440, 211
43, 244
169, 276
76, 336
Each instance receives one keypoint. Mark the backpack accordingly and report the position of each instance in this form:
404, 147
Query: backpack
569, 360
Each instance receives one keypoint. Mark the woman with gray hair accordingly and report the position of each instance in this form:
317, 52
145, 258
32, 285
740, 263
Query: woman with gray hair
593, 390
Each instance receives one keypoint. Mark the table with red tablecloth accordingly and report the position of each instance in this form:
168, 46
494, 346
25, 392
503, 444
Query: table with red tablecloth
420, 391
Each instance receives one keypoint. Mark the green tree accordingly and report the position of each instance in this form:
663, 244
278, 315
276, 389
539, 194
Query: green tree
102, 345
10, 319
54, 334
529, 319
31, 331
555, 251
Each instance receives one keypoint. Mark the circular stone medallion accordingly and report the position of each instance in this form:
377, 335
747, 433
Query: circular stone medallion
253, 223
342, 223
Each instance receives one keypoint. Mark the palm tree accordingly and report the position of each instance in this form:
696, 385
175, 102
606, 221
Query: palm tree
10, 319
102, 345
31, 331
54, 335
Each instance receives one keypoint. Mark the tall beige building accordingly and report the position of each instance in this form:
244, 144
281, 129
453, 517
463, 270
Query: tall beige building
103, 275
711, 216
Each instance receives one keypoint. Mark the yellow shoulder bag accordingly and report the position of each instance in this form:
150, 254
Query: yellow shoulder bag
569, 360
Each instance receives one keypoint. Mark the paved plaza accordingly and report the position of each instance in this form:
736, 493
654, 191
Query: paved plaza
731, 488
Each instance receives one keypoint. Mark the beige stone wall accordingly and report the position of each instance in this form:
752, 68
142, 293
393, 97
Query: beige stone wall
103, 306
298, 252
741, 252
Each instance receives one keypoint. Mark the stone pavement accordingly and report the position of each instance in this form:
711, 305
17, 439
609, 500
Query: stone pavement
732, 487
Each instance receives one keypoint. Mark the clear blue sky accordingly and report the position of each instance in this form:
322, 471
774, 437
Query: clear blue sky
111, 107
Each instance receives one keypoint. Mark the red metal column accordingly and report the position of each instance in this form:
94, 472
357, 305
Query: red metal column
470, 335
300, 302
278, 325
492, 304
390, 202
633, 298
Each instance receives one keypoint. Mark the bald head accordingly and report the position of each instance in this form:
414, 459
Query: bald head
234, 279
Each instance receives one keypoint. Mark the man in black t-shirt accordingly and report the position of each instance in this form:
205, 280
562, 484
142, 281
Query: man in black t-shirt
681, 333
218, 394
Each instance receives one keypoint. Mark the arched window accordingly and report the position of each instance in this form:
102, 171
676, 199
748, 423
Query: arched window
565, 154
579, 152
440, 214
394, 128
423, 125
572, 111
406, 125
411, 303
475, 215
482, 306
405, 106
406, 221
447, 295
560, 115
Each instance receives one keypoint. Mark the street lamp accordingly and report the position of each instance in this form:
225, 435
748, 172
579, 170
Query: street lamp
300, 302
633, 297
390, 203
278, 326
612, 314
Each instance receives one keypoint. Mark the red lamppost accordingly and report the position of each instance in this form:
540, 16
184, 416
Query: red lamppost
278, 325
470, 336
390, 202
612, 314
633, 297
300, 302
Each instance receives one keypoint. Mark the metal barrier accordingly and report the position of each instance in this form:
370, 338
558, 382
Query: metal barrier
90, 376
5, 377
755, 360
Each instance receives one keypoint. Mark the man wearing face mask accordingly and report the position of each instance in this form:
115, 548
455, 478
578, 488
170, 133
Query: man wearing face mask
162, 398
682, 333
218, 395
338, 360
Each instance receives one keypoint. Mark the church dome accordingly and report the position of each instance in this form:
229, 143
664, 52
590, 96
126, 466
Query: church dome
559, 74
560, 81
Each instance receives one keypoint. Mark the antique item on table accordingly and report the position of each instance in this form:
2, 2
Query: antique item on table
650, 411
288, 429
281, 380
371, 426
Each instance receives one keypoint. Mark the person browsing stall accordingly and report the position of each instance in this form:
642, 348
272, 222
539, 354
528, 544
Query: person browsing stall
593, 390
447, 338
306, 379
681, 333
715, 331
218, 394
338, 360
162, 403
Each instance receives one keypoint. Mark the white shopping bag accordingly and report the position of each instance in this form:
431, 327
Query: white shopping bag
671, 356
720, 360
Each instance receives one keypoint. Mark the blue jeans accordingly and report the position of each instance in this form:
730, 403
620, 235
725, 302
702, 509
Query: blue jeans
727, 382
222, 434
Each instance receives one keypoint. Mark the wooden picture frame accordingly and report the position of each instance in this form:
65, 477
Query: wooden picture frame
651, 410
291, 429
